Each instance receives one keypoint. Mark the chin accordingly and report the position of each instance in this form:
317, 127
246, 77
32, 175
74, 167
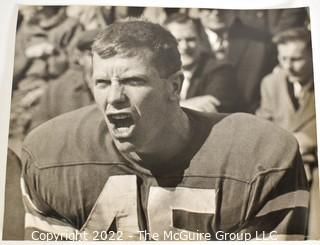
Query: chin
124, 146
188, 64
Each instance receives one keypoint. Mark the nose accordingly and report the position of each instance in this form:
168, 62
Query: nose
116, 94
287, 65
183, 45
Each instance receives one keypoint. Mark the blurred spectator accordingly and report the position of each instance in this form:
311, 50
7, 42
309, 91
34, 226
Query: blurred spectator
156, 15
73, 89
287, 94
90, 17
208, 83
243, 46
44, 40
288, 100
120, 12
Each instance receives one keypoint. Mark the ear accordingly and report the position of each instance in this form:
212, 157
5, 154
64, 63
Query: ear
176, 80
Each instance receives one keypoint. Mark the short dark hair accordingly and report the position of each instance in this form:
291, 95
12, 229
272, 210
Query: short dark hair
293, 34
130, 36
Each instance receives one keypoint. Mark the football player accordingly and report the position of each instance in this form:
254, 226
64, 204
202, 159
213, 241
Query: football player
137, 166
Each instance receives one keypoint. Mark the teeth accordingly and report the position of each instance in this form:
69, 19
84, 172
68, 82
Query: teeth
120, 116
122, 130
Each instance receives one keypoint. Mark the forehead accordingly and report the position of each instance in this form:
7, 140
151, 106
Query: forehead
121, 65
293, 48
180, 30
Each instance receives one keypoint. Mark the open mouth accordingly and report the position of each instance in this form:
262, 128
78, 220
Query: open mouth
121, 124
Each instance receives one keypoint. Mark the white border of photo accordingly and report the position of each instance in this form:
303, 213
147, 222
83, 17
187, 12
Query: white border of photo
8, 18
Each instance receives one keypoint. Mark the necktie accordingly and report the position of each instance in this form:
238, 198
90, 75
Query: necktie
294, 99
185, 84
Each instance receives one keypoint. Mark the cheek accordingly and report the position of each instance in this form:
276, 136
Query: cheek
100, 96
144, 98
299, 66
283, 63
192, 45
148, 102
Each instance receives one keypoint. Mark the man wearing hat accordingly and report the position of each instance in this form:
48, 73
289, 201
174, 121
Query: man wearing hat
73, 89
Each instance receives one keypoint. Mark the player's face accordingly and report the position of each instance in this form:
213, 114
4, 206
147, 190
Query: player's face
217, 19
295, 58
188, 42
133, 98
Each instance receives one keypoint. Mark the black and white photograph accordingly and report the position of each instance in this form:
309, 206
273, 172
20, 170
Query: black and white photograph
140, 123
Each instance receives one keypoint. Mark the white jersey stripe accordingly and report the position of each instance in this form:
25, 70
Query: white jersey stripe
299, 198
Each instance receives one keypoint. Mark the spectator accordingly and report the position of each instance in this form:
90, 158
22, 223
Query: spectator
73, 89
44, 40
208, 83
243, 46
288, 100
90, 17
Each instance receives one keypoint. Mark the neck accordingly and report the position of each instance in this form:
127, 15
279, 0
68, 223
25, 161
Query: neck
303, 81
191, 67
172, 140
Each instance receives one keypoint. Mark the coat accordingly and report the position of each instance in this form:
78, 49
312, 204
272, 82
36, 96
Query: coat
277, 106
252, 56
216, 78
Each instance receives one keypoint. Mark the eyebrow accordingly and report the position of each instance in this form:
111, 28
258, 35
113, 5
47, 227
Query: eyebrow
122, 77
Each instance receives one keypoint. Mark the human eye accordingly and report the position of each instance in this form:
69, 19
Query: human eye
101, 83
133, 81
297, 59
191, 39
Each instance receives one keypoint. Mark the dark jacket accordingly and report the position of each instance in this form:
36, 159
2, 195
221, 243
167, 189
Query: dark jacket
216, 78
252, 56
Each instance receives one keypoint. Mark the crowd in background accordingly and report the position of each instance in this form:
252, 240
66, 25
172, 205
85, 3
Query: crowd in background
226, 56
47, 49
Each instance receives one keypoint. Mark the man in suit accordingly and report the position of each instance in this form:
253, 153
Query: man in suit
288, 99
209, 84
287, 94
246, 48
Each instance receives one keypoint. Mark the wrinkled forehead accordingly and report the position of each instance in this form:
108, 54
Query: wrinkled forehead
145, 56
141, 53
138, 64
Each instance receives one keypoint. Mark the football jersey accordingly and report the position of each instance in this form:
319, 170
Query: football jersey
237, 175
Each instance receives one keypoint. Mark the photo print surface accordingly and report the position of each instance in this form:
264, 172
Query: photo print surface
162, 124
